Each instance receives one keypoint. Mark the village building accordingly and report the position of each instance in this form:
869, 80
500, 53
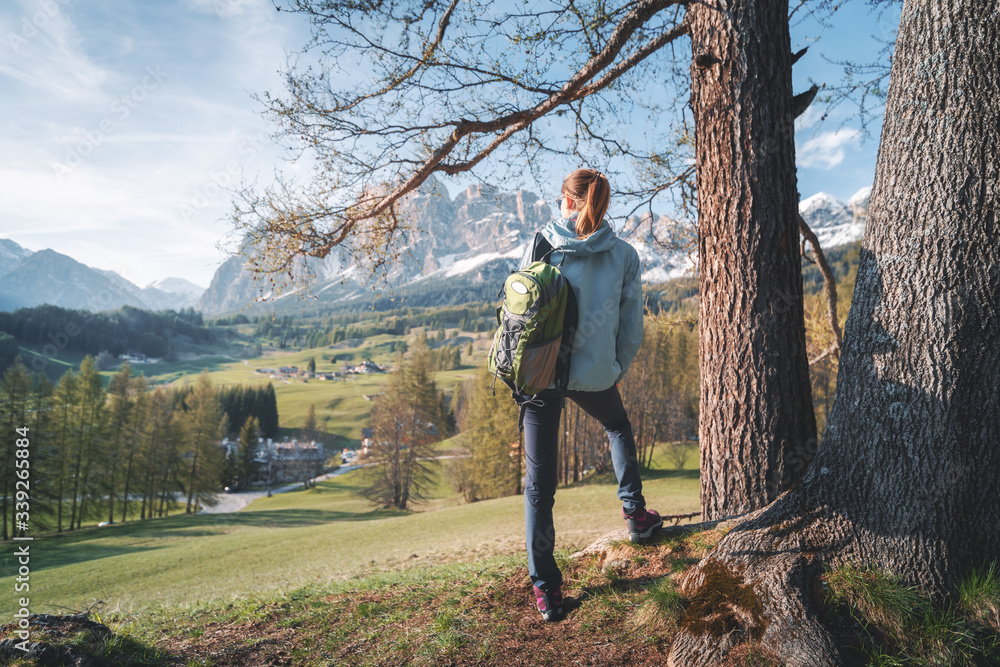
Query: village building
285, 462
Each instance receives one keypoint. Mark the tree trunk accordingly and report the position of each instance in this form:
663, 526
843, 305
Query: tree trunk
194, 479
906, 478
757, 427
128, 480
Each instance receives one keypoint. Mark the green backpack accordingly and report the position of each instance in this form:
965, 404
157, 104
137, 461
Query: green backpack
537, 323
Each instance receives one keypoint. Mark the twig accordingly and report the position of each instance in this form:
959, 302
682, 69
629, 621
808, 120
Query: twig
830, 284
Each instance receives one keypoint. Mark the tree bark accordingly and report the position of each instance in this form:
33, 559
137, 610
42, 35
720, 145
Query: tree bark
906, 478
757, 428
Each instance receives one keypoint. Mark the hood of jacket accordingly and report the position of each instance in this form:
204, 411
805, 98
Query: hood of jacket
561, 234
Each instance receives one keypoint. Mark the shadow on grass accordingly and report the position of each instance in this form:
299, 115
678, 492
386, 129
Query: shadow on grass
647, 474
88, 544
653, 473
171, 371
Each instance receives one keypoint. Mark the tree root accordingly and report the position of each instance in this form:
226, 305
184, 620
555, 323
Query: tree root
761, 585
608, 540
769, 605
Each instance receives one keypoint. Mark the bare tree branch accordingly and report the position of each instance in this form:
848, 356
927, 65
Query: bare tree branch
573, 89
427, 55
358, 136
830, 284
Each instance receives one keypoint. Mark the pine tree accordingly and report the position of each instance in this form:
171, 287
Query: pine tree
91, 422
246, 465
158, 456
203, 421
309, 429
64, 427
134, 438
15, 394
268, 413
406, 419
309, 433
120, 408
489, 427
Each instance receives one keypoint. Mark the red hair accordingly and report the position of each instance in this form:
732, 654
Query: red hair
590, 187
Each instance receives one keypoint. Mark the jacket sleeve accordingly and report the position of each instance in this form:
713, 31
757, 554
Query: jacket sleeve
629, 316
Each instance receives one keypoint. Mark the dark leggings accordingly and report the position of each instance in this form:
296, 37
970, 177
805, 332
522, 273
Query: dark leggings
541, 438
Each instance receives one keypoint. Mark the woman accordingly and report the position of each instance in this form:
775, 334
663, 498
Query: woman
605, 274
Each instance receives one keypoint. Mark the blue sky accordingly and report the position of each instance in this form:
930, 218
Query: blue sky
122, 124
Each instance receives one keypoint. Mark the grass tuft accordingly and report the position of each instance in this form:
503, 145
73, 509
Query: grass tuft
979, 595
661, 610
900, 625
877, 598
128, 644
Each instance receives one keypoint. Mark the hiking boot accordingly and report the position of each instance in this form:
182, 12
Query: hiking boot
550, 604
642, 524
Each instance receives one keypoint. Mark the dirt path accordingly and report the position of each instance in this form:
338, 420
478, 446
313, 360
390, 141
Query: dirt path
234, 502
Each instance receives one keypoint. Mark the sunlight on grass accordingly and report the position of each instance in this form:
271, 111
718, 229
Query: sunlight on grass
902, 626
320, 535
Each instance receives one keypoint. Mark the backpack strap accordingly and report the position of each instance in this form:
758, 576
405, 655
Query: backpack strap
541, 249
524, 400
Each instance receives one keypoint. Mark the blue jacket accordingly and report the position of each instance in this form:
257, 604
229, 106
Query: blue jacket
606, 276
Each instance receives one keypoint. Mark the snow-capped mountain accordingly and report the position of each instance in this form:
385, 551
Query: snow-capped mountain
834, 222
859, 202
469, 244
181, 293
178, 286
473, 238
172, 294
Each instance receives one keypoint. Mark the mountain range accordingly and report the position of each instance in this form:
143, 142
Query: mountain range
47, 277
471, 243
467, 246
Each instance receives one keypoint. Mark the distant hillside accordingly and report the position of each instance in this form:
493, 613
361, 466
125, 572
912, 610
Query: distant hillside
10, 255
47, 277
52, 278
126, 330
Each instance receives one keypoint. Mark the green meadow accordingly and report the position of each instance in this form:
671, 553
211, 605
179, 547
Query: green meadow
301, 538
342, 408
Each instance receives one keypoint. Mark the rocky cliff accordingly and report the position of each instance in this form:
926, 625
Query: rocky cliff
475, 239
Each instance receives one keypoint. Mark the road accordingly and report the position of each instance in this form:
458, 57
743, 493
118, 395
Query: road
234, 502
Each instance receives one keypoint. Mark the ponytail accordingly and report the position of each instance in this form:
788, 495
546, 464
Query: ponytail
592, 188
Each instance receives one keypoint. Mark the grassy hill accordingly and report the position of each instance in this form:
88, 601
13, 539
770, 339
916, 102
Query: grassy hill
319, 577
291, 540
163, 581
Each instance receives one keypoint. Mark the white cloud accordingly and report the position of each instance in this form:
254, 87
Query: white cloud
224, 8
45, 51
826, 151
145, 193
